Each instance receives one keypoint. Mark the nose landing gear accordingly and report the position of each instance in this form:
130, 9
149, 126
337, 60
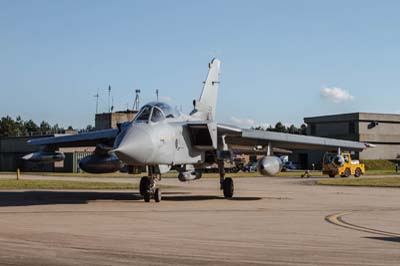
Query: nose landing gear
147, 187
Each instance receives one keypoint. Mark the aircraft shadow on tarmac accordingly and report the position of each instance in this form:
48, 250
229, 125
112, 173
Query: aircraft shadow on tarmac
385, 238
27, 198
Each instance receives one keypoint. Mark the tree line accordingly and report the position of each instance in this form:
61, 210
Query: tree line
19, 127
280, 127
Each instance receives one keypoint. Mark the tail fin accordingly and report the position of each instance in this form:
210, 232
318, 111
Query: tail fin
207, 103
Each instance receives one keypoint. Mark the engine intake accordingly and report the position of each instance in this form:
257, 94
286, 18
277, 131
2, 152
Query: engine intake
269, 165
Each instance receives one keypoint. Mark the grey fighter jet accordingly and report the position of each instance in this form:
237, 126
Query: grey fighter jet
161, 138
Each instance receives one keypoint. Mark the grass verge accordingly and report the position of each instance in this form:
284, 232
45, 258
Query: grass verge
362, 182
7, 183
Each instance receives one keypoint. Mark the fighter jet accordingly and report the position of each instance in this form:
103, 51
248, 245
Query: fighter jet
163, 139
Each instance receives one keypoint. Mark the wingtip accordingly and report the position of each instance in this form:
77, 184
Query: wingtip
27, 157
369, 145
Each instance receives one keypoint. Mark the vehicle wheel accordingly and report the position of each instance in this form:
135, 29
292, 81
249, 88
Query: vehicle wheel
144, 185
228, 187
147, 196
332, 175
157, 195
347, 173
357, 172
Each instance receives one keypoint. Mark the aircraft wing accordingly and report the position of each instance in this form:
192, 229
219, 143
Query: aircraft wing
248, 139
84, 139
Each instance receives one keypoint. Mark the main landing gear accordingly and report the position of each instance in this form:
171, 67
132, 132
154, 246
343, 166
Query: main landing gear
225, 182
147, 187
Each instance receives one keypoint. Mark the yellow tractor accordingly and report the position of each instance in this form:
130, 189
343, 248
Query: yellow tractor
341, 164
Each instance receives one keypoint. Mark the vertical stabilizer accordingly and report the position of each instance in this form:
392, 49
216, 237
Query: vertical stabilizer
207, 103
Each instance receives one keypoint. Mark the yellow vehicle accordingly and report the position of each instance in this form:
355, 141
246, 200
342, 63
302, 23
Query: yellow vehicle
341, 164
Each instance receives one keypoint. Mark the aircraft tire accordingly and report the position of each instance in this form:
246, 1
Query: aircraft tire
147, 196
144, 185
157, 195
228, 187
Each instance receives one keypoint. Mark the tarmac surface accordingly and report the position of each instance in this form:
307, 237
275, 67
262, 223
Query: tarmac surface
270, 221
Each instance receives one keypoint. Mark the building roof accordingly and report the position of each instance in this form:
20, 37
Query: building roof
359, 116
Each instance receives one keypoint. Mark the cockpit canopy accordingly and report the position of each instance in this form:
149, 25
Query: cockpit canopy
155, 112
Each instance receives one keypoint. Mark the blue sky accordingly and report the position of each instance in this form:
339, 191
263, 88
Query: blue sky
281, 60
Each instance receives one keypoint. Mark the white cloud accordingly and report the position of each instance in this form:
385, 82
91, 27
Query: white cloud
336, 95
247, 122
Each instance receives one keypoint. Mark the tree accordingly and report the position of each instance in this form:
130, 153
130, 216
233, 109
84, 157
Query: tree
31, 127
280, 127
57, 129
45, 127
303, 129
8, 127
20, 127
88, 128
293, 130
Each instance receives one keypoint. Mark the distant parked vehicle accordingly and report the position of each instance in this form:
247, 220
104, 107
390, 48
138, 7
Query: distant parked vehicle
290, 166
250, 167
342, 165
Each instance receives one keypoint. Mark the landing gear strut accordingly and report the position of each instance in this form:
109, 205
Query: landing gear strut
147, 187
226, 183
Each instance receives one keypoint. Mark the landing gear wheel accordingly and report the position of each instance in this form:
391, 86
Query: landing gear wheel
147, 196
144, 185
157, 195
228, 188
357, 173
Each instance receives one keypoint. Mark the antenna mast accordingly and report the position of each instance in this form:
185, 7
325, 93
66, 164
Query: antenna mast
157, 94
97, 101
109, 95
136, 104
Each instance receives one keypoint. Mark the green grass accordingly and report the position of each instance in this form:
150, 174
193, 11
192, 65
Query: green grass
381, 172
379, 164
362, 182
8, 183
114, 175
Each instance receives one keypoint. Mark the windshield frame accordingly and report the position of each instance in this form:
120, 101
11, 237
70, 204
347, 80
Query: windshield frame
140, 113
167, 111
152, 113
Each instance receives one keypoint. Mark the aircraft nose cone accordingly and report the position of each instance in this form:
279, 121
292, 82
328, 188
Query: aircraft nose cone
135, 146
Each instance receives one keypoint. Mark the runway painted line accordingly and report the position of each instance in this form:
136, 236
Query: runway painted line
337, 219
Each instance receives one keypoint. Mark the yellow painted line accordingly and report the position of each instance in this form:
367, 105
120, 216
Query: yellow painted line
337, 219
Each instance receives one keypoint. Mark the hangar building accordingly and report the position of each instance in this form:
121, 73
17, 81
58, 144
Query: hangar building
382, 130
